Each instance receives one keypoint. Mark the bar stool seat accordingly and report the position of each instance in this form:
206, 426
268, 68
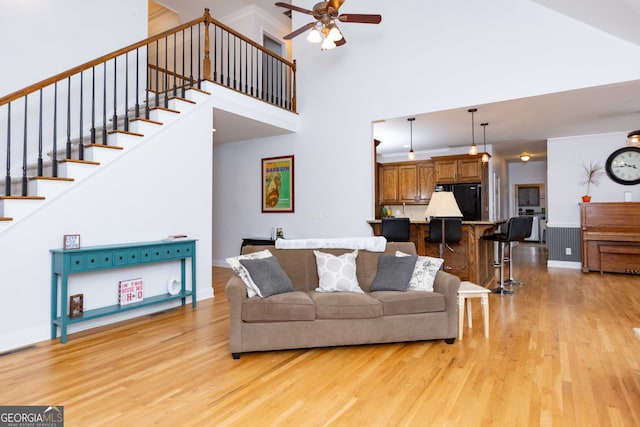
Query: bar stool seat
467, 291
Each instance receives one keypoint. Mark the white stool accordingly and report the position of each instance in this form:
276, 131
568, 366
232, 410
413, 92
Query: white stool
471, 290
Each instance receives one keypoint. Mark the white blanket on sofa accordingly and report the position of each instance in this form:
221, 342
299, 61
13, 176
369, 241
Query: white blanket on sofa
373, 244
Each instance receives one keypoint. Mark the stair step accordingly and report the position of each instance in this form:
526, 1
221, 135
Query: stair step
197, 95
181, 104
162, 114
126, 140
49, 187
102, 154
76, 169
144, 126
19, 206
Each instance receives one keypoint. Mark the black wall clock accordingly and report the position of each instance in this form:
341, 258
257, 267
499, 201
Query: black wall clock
623, 166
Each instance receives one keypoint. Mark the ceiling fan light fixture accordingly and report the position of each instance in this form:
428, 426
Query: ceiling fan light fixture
327, 44
633, 138
473, 150
314, 36
334, 33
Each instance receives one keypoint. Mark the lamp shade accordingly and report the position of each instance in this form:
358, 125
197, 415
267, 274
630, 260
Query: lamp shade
443, 205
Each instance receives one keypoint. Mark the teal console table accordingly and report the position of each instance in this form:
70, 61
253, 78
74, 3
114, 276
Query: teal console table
95, 258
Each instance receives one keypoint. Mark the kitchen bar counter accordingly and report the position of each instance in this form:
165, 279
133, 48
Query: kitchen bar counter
471, 259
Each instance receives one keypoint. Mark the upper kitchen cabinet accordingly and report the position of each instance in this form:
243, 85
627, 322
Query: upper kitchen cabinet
459, 169
406, 182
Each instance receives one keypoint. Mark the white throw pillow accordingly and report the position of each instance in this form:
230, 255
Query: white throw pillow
424, 273
234, 262
337, 273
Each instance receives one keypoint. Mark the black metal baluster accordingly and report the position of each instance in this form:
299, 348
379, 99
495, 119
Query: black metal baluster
7, 180
165, 88
68, 153
235, 39
183, 75
191, 58
24, 149
93, 105
104, 104
126, 92
175, 67
137, 83
147, 86
246, 68
228, 60
39, 172
200, 55
115, 95
157, 73
54, 155
80, 133
253, 65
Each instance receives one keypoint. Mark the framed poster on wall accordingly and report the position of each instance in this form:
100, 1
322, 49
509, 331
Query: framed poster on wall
277, 184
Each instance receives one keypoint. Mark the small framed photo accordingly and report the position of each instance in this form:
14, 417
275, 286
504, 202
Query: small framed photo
71, 241
76, 305
277, 184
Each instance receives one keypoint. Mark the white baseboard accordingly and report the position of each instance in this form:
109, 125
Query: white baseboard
564, 264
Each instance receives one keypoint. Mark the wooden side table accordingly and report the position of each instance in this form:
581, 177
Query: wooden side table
467, 291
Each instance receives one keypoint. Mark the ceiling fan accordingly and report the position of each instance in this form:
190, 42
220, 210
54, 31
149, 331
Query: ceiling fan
324, 28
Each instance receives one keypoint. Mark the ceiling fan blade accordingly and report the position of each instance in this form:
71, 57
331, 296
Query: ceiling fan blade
341, 42
361, 18
299, 31
335, 4
293, 7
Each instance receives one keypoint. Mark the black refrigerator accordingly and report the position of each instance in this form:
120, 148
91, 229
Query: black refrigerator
468, 197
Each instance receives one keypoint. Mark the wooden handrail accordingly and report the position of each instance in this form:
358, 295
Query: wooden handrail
206, 18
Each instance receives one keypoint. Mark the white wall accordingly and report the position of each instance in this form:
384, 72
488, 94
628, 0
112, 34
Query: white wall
424, 56
565, 173
43, 37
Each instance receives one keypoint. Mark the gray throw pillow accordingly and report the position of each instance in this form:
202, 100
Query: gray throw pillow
394, 273
268, 276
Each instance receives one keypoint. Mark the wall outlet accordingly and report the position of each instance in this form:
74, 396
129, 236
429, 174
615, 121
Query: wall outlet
567, 251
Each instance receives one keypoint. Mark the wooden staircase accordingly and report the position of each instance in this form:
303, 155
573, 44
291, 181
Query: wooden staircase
44, 189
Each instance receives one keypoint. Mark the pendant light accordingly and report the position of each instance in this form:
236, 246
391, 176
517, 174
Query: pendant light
473, 150
485, 155
412, 155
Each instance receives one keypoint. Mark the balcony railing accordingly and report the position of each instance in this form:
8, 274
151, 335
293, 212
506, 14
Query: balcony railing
53, 120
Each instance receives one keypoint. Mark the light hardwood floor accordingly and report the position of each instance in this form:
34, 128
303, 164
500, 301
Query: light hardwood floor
562, 352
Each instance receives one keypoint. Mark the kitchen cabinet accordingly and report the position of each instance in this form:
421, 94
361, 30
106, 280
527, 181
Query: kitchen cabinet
459, 169
406, 182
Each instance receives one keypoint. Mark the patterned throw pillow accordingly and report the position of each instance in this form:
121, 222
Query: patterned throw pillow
234, 262
424, 273
337, 273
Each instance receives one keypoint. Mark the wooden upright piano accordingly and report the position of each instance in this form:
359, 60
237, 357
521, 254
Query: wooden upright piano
610, 237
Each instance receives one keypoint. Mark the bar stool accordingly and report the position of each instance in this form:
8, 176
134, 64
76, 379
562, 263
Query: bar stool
395, 229
467, 291
524, 230
516, 226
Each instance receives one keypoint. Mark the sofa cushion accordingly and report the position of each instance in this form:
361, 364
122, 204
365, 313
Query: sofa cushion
241, 272
424, 273
268, 276
410, 302
289, 306
345, 305
337, 273
393, 273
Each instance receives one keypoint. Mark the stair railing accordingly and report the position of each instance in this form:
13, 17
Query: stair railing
82, 105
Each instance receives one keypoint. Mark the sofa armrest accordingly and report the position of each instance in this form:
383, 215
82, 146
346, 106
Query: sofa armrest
236, 293
448, 285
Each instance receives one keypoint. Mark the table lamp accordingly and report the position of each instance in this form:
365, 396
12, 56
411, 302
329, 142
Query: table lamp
443, 205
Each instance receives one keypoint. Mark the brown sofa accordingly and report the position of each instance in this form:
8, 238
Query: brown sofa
306, 318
